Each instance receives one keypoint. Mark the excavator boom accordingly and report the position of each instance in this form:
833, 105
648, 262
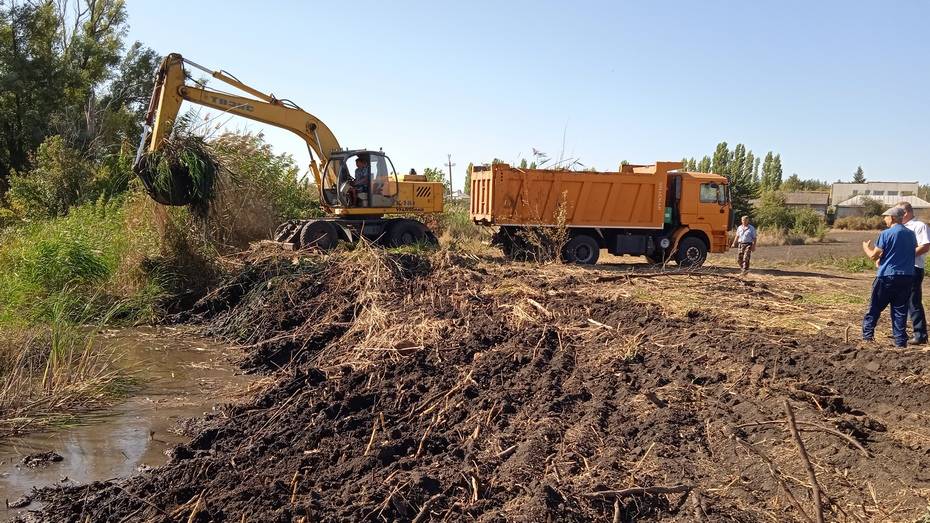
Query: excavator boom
172, 88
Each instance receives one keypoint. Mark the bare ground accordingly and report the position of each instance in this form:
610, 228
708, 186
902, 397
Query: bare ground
450, 388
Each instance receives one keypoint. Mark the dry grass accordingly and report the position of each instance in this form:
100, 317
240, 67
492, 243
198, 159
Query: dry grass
53, 373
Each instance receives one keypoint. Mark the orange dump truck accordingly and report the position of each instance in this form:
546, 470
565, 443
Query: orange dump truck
655, 211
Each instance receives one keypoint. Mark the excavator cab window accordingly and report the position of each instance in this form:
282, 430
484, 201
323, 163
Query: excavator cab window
365, 179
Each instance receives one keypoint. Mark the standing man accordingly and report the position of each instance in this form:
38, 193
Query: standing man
916, 306
746, 238
894, 251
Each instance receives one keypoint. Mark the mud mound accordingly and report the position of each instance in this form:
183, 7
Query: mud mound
440, 389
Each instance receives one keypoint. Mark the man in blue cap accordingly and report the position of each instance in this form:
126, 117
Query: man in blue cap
894, 253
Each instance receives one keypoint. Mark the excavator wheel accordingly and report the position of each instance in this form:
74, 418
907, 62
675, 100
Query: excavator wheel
288, 232
407, 232
319, 234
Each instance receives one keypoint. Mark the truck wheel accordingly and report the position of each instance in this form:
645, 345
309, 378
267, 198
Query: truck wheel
691, 252
319, 234
581, 249
406, 232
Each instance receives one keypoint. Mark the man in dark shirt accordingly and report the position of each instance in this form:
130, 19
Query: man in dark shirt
894, 251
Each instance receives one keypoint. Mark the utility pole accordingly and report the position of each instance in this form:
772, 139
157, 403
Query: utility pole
450, 165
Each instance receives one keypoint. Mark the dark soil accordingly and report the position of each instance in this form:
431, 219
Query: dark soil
438, 389
41, 459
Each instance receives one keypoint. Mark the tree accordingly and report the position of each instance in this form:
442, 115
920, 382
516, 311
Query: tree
923, 192
793, 183
748, 165
771, 172
523, 164
468, 171
704, 165
859, 175
436, 174
743, 189
776, 172
721, 159
737, 159
755, 170
55, 59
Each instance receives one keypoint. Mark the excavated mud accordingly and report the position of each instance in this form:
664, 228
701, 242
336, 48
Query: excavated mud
450, 389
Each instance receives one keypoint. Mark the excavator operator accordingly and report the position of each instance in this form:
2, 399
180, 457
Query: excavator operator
362, 183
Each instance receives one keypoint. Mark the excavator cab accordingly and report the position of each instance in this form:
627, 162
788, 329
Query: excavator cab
359, 179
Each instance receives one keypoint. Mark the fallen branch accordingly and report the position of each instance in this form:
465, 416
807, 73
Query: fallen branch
506, 452
639, 491
776, 474
817, 427
539, 306
815, 486
424, 510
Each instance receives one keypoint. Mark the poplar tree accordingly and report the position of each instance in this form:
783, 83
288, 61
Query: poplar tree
721, 159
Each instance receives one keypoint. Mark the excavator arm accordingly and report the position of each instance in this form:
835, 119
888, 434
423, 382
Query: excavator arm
172, 88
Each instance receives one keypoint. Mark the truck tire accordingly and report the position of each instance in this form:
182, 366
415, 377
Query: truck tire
691, 252
406, 232
581, 249
319, 234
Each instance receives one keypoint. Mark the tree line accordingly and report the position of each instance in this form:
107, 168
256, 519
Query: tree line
72, 99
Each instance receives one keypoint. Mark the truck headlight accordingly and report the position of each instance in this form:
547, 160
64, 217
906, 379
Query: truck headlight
664, 243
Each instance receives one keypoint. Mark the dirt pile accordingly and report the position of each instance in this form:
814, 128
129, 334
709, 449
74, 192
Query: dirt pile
443, 388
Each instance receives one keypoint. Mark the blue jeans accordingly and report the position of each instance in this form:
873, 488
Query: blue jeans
894, 291
916, 306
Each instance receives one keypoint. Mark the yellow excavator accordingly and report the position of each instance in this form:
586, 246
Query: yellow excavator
356, 203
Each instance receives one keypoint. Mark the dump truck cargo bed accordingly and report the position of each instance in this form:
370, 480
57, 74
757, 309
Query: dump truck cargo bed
634, 198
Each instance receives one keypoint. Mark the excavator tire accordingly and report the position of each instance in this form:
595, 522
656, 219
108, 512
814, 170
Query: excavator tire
289, 232
407, 232
319, 234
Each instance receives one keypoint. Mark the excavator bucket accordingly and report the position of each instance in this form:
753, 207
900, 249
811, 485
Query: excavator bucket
175, 167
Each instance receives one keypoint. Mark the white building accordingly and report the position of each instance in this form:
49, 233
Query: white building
855, 206
877, 190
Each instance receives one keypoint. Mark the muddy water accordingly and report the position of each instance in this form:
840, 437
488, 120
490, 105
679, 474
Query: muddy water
182, 376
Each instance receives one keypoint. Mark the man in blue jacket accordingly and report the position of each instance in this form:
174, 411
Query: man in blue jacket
894, 252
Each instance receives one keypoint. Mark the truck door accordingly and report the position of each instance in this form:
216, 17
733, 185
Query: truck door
712, 205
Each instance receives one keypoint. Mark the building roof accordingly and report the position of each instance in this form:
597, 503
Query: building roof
807, 198
875, 182
857, 201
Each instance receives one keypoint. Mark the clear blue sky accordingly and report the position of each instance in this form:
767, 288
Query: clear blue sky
828, 84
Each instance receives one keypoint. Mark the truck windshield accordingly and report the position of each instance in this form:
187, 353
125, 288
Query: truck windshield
713, 193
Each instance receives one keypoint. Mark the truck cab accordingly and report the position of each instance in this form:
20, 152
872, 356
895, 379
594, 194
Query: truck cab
700, 207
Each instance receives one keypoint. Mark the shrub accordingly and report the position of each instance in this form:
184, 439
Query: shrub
860, 223
771, 212
61, 177
808, 223
792, 224
872, 207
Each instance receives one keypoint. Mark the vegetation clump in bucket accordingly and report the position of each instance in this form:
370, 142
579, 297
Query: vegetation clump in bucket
183, 171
